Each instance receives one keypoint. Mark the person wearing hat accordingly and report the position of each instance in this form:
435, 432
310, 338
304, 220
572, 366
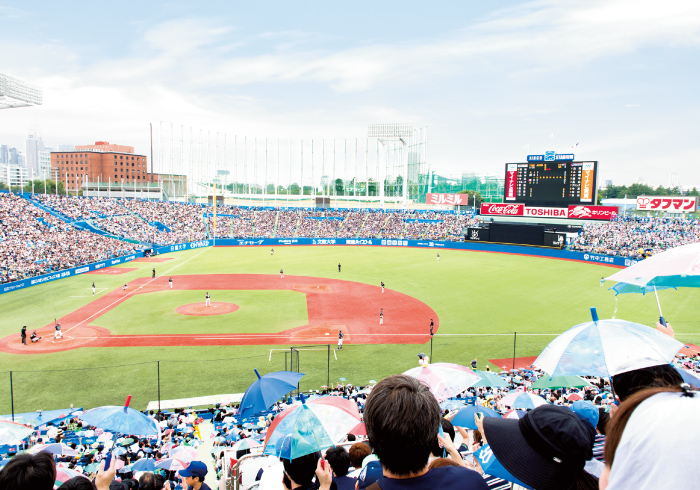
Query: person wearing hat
546, 449
193, 476
369, 475
423, 360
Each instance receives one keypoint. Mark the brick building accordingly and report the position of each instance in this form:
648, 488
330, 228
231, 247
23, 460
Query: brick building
101, 162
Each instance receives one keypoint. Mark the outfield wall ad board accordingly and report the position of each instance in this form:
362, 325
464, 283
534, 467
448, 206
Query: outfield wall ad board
379, 242
573, 212
448, 199
669, 204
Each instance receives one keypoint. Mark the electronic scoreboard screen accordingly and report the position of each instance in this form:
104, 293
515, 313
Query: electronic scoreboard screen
551, 183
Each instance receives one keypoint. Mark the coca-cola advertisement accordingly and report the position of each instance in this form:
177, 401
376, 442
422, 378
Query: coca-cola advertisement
503, 209
593, 212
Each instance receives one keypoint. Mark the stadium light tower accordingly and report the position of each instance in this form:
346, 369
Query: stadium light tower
17, 93
393, 133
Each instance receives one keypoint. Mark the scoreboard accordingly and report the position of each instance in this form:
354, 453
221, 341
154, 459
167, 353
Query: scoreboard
551, 183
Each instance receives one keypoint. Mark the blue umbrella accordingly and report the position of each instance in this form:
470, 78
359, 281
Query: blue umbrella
144, 464
489, 379
689, 377
625, 288
123, 420
491, 466
266, 390
465, 417
451, 405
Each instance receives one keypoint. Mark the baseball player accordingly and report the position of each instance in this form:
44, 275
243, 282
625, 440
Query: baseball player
272, 251
381, 317
208, 300
281, 273
170, 281
340, 339
432, 324
57, 331
382, 286
93, 289
438, 258
153, 276
338, 266
124, 287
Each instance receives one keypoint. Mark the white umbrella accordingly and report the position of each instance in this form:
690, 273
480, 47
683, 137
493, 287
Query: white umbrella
605, 348
444, 379
677, 267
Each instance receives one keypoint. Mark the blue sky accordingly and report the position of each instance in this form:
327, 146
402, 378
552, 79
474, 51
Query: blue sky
617, 76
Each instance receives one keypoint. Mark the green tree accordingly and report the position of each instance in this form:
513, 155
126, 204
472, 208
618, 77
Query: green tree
339, 187
471, 195
39, 187
294, 189
308, 190
373, 187
693, 192
3, 186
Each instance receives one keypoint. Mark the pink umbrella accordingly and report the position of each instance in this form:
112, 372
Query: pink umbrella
186, 454
64, 474
171, 464
444, 379
359, 430
515, 414
572, 397
517, 399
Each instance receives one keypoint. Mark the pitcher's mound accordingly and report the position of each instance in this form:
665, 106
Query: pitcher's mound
198, 309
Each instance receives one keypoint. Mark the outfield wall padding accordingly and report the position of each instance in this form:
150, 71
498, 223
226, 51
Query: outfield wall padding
363, 242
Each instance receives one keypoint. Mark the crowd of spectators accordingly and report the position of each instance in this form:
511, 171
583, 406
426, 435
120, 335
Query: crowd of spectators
636, 237
34, 242
404, 446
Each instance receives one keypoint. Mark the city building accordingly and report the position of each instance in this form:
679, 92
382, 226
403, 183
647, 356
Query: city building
99, 163
4, 154
14, 176
34, 145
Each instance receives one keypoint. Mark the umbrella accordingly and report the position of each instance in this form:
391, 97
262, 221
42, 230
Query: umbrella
64, 474
12, 433
342, 379
171, 464
186, 454
308, 427
605, 348
445, 380
489, 380
143, 464
677, 267
491, 466
244, 444
574, 397
54, 448
547, 382
91, 468
465, 417
266, 390
126, 442
359, 430
119, 451
515, 414
625, 288
451, 405
123, 420
693, 379
105, 436
521, 399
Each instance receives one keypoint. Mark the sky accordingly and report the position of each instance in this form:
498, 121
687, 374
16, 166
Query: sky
493, 81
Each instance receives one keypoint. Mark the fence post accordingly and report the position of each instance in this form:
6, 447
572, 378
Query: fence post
12, 398
328, 365
158, 385
515, 337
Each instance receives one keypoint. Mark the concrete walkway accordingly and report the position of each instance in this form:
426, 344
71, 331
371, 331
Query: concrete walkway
205, 429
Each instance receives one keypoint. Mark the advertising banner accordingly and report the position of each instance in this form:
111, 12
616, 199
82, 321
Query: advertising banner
511, 181
449, 199
587, 182
672, 204
593, 212
501, 209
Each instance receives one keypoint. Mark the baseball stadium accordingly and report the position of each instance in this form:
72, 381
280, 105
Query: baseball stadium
336, 264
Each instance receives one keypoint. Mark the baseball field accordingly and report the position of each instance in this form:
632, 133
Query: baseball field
148, 338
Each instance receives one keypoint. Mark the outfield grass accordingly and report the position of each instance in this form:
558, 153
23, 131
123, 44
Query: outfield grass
480, 299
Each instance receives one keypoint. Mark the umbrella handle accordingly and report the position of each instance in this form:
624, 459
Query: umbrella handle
662, 320
594, 314
128, 400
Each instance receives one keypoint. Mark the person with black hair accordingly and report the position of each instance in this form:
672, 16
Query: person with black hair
77, 483
29, 472
299, 473
339, 459
402, 418
148, 481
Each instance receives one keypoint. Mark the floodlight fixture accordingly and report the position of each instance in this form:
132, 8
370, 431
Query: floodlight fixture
17, 93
